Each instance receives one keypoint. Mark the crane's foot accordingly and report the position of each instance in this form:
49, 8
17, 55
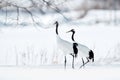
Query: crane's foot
65, 62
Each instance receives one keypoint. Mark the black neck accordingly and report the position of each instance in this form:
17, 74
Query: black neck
57, 28
73, 36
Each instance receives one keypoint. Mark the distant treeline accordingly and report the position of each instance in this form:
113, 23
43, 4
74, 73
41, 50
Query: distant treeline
105, 4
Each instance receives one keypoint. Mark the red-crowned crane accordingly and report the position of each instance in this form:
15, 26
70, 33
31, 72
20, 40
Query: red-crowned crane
83, 50
65, 46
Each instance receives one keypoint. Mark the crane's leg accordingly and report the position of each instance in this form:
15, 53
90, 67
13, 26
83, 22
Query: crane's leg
73, 62
87, 58
65, 62
83, 62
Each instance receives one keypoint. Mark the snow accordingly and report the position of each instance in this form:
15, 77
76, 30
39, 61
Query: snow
30, 73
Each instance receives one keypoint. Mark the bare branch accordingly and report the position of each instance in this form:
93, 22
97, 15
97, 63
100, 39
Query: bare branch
47, 3
30, 14
55, 8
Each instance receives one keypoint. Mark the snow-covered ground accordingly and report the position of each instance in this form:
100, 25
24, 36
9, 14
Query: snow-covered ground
25, 73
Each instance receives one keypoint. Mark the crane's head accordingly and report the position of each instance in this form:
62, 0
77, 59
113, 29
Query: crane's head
56, 22
72, 30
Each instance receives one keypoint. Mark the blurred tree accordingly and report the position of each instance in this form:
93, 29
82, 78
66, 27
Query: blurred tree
80, 7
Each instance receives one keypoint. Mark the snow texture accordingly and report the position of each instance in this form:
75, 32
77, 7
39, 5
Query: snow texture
13, 73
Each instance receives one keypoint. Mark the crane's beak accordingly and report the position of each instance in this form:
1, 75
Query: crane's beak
68, 31
55, 22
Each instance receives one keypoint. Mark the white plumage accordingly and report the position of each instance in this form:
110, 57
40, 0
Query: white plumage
83, 50
64, 46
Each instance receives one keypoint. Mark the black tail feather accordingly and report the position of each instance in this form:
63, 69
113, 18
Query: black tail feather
91, 55
93, 60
